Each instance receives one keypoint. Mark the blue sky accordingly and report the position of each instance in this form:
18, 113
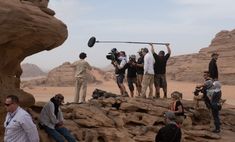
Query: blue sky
188, 25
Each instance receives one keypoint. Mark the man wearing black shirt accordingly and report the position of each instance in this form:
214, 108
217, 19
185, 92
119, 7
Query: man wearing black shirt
171, 132
160, 71
140, 71
213, 69
131, 74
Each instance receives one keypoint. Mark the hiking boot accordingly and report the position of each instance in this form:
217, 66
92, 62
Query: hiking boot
150, 97
216, 131
125, 94
144, 97
157, 96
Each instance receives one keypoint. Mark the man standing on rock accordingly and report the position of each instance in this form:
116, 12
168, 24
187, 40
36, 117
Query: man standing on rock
140, 71
213, 69
160, 71
148, 77
51, 120
81, 76
19, 126
120, 72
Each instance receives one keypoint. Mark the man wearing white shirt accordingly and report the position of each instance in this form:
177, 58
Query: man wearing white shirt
19, 126
120, 72
148, 77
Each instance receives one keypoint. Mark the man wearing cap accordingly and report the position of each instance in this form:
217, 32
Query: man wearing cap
131, 74
140, 70
148, 77
205, 89
213, 69
160, 71
171, 132
81, 75
52, 120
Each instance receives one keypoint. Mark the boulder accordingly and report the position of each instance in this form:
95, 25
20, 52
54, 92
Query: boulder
96, 122
25, 30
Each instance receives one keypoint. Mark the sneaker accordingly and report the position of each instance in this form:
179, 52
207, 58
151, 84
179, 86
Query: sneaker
156, 97
216, 131
144, 97
150, 97
125, 94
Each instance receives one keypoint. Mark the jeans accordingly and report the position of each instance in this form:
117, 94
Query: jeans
215, 109
57, 133
215, 114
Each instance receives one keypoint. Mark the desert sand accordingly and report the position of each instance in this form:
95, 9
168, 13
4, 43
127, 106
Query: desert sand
187, 88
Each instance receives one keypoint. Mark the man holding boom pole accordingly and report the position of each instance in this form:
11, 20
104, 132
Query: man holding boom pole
160, 70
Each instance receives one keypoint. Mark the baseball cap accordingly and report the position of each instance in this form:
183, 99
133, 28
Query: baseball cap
132, 56
170, 115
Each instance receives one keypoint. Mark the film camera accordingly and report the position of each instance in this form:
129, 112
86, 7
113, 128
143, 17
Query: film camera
198, 90
113, 55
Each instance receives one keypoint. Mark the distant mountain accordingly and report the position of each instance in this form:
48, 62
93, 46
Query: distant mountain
190, 67
31, 70
64, 75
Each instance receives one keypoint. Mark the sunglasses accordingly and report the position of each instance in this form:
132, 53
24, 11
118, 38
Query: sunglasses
7, 104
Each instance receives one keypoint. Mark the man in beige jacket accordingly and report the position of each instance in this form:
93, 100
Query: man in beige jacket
81, 76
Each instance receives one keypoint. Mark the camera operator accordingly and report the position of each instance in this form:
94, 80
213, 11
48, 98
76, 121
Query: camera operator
120, 72
203, 88
113, 55
131, 74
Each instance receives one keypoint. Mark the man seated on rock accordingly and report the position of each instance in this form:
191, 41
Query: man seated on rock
171, 132
177, 107
51, 119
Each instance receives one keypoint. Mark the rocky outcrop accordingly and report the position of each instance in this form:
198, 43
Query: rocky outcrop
64, 75
111, 118
190, 67
25, 30
31, 70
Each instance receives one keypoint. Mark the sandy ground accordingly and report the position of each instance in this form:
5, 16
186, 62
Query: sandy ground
45, 93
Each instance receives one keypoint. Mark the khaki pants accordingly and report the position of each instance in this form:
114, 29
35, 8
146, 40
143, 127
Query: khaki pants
138, 83
148, 80
81, 85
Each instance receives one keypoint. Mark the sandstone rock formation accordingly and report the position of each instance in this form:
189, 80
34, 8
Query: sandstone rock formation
64, 75
190, 67
112, 118
31, 70
25, 30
